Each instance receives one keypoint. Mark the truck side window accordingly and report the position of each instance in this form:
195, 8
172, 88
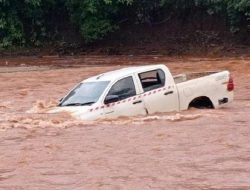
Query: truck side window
123, 88
152, 79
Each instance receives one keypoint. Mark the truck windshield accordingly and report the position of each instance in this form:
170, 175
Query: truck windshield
85, 93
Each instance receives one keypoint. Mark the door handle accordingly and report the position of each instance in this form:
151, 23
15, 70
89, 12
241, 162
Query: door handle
169, 92
109, 112
137, 102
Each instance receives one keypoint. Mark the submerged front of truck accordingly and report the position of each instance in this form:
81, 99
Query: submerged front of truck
82, 101
79, 112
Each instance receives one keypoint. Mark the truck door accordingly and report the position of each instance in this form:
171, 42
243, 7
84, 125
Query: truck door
159, 94
122, 99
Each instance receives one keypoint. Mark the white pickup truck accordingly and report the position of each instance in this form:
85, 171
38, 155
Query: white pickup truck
145, 90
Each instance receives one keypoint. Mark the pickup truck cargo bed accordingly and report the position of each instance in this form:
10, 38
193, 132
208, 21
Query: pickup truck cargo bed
189, 76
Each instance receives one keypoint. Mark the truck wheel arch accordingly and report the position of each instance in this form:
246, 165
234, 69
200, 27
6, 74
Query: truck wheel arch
201, 102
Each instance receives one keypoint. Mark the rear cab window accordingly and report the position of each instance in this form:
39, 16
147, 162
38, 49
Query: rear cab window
151, 80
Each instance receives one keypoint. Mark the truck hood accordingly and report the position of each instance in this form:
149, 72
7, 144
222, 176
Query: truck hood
76, 111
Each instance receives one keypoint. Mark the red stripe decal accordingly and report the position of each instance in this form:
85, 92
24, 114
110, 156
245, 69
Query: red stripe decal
129, 99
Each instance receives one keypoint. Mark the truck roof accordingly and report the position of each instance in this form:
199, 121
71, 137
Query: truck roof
120, 73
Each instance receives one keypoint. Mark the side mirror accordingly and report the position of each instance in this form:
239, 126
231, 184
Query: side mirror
111, 98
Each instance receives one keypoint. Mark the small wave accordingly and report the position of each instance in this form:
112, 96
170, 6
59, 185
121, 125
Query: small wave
28, 121
37, 117
42, 106
23, 92
175, 117
141, 119
5, 105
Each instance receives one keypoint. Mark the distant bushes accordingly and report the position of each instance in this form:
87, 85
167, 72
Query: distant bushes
33, 22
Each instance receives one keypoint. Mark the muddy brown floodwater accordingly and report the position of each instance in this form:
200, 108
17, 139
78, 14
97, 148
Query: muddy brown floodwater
194, 149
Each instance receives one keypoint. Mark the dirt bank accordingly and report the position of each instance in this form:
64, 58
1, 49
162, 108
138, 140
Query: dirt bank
206, 36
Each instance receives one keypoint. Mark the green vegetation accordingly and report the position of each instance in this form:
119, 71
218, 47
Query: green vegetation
33, 22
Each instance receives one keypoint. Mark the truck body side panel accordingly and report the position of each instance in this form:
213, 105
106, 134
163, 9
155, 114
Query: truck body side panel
213, 87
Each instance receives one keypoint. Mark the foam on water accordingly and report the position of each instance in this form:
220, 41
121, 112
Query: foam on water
4, 105
37, 116
42, 106
27, 120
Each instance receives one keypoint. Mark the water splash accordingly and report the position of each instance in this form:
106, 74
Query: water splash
42, 106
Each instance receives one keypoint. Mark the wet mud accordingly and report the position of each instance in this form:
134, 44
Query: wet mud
193, 149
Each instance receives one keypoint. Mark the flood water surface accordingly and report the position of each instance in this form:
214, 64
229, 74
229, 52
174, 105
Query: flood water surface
194, 149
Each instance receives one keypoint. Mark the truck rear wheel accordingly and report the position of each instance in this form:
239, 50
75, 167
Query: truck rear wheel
202, 102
